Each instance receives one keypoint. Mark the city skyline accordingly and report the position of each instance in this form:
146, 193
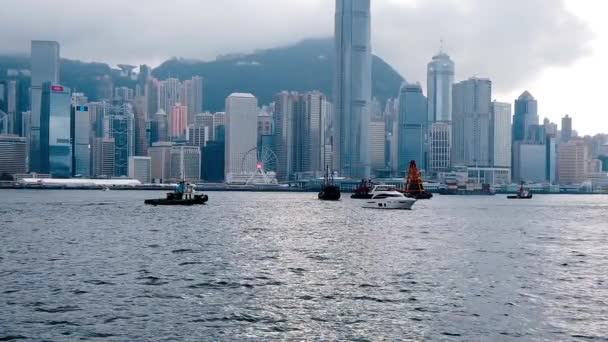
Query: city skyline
576, 55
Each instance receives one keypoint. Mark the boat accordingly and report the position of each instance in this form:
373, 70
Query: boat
387, 197
329, 190
105, 189
174, 198
414, 187
522, 193
364, 190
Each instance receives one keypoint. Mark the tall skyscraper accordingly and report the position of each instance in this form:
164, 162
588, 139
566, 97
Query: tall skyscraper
308, 137
566, 129
55, 157
102, 157
13, 155
377, 136
81, 141
178, 121
121, 124
440, 147
169, 93
284, 134
44, 68
440, 77
241, 133
471, 122
525, 117
500, 135
193, 97
412, 123
159, 127
10, 109
140, 109
352, 87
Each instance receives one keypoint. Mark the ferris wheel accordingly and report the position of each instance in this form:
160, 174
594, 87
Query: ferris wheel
260, 162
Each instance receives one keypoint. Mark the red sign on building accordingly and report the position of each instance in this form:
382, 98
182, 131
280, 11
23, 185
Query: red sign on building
57, 88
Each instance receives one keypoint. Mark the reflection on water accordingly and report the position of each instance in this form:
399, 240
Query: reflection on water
95, 265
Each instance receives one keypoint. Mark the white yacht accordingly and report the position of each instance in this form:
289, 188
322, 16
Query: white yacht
386, 197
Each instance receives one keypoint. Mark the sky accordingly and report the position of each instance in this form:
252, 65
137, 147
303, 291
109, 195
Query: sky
556, 49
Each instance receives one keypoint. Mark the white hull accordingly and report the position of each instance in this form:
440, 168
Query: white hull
394, 204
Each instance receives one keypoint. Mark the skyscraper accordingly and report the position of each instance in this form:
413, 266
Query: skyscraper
121, 124
13, 155
102, 157
44, 68
141, 127
500, 135
186, 163
81, 141
439, 147
352, 87
377, 136
10, 109
193, 97
169, 93
440, 77
412, 123
566, 129
525, 117
308, 136
572, 162
471, 122
55, 157
241, 134
284, 133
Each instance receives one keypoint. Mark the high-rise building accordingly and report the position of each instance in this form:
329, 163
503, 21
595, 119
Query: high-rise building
197, 135
535, 162
55, 154
124, 94
550, 128
572, 162
241, 133
81, 141
471, 122
178, 121
219, 124
213, 162
308, 136
160, 154
10, 108
102, 157
141, 126
500, 135
440, 77
377, 135
284, 131
525, 116
140, 168
264, 124
169, 93
440, 147
13, 155
412, 123
121, 124
352, 87
193, 97
44, 68
186, 163
159, 127
566, 129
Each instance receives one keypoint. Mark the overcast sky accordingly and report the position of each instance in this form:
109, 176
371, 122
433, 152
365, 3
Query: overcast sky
556, 49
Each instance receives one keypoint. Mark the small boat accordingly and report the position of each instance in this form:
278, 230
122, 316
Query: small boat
521, 194
364, 190
329, 190
189, 197
105, 189
387, 197
414, 187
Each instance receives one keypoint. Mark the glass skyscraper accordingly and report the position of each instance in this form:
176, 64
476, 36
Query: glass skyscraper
440, 77
44, 68
55, 131
352, 87
412, 127
525, 117
81, 141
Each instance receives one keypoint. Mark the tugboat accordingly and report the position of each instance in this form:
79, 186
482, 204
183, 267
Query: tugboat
364, 190
184, 195
329, 190
521, 194
413, 184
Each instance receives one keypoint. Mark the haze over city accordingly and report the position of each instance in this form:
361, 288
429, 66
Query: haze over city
554, 49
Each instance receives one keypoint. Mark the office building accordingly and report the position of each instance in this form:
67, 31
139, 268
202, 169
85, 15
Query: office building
440, 77
535, 162
412, 123
525, 117
212, 168
141, 126
352, 87
140, 168
81, 141
500, 135
572, 162
169, 94
160, 155
264, 124
284, 134
193, 97
471, 122
377, 135
550, 128
124, 94
44, 68
309, 107
197, 135
566, 134
178, 121
121, 123
241, 133
186, 163
102, 151
55, 157
13, 155
439, 147
159, 130
10, 107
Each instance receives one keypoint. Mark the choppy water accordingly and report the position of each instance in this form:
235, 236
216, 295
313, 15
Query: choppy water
85, 265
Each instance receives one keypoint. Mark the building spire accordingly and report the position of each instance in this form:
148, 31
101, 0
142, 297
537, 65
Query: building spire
440, 45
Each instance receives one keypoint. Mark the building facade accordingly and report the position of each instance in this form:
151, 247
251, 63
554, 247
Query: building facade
525, 116
572, 162
55, 131
440, 77
439, 147
13, 155
412, 123
102, 164
178, 121
566, 134
186, 163
352, 87
140, 168
81, 141
241, 133
160, 156
500, 135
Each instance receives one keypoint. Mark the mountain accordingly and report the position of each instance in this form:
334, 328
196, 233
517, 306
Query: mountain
301, 67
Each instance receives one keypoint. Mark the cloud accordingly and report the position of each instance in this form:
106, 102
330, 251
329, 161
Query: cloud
509, 41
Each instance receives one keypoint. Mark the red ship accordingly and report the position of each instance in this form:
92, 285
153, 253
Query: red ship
414, 187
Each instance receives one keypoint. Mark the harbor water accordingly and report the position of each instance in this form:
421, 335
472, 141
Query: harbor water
94, 265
